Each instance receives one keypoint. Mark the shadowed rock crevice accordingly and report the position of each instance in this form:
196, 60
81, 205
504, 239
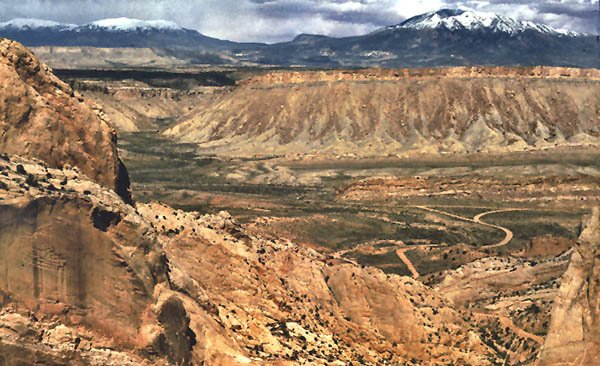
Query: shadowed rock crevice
104, 219
123, 184
178, 339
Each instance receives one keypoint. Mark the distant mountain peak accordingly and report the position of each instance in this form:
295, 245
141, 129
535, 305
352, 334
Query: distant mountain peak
33, 23
127, 24
308, 38
465, 19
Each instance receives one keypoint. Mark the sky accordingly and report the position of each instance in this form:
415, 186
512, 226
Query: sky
281, 20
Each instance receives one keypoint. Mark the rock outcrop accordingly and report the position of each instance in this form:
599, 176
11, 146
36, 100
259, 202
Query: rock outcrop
41, 117
574, 336
136, 106
81, 272
399, 112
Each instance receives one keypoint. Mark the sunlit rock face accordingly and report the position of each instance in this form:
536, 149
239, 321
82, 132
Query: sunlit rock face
41, 117
399, 112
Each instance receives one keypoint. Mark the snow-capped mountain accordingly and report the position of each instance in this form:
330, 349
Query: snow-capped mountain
127, 25
109, 33
448, 37
462, 19
113, 24
32, 24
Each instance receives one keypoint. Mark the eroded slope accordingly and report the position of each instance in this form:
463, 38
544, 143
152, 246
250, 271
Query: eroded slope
380, 112
82, 273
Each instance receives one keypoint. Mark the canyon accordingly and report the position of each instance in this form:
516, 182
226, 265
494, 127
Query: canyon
351, 238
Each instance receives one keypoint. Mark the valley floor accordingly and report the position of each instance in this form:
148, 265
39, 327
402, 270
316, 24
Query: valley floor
491, 232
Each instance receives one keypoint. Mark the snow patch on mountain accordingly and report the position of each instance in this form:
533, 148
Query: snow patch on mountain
461, 19
127, 24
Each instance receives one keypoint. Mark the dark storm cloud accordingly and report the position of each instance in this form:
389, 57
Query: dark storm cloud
278, 20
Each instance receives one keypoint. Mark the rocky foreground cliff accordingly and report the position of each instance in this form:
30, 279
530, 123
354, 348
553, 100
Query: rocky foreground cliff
399, 112
42, 117
87, 278
574, 336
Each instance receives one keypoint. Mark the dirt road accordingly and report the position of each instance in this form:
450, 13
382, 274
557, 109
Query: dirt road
508, 234
507, 322
402, 255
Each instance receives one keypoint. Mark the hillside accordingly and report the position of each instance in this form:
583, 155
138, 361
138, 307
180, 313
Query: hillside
399, 112
86, 278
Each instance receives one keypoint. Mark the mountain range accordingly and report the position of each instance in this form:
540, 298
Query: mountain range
448, 37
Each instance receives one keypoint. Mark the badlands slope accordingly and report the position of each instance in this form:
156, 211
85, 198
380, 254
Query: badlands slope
399, 112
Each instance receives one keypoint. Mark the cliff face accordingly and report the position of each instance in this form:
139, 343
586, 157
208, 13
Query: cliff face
574, 336
80, 272
87, 279
139, 107
376, 113
41, 117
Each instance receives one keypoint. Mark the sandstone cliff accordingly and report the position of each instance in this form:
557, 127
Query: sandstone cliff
136, 106
86, 279
574, 336
82, 281
381, 112
41, 117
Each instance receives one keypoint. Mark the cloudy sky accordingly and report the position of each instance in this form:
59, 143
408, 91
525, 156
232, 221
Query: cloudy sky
280, 20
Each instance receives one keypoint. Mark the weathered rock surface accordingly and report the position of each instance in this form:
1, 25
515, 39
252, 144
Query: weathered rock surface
275, 302
574, 336
104, 284
84, 273
41, 117
399, 112
87, 279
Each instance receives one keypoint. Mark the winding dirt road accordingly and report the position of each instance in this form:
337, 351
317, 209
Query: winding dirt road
477, 219
508, 234
401, 252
